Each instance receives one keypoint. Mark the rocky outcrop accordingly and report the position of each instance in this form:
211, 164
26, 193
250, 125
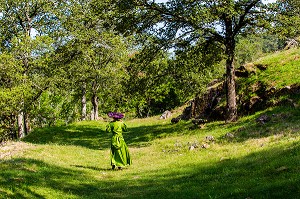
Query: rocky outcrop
270, 97
211, 105
207, 106
245, 70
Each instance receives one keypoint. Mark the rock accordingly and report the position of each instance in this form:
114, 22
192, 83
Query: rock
210, 138
199, 121
263, 119
283, 168
229, 135
224, 158
175, 120
245, 70
261, 66
193, 145
205, 146
288, 102
291, 43
271, 91
191, 148
166, 114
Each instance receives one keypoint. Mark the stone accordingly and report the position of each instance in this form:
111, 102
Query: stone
167, 114
229, 135
210, 138
175, 120
263, 119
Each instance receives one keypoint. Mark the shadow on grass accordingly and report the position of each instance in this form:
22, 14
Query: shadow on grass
267, 174
92, 137
29, 178
95, 137
142, 135
282, 121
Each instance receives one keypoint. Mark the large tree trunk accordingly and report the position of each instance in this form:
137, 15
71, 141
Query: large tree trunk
83, 102
231, 108
95, 107
230, 83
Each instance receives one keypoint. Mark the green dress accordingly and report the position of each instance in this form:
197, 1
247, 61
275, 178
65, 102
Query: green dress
119, 151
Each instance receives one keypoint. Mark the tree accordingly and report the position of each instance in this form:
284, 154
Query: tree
11, 88
253, 46
190, 22
18, 20
92, 54
287, 21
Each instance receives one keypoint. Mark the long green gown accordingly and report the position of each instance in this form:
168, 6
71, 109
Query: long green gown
119, 156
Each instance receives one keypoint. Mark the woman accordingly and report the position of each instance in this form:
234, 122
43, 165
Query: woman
120, 156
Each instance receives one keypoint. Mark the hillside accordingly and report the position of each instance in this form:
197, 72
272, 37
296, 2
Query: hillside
256, 157
273, 80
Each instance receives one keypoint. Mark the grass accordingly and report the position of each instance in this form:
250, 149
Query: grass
283, 68
261, 161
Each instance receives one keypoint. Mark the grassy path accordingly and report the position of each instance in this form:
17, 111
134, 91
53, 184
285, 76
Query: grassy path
261, 161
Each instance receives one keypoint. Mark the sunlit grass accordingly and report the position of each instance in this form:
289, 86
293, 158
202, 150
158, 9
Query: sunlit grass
260, 161
283, 68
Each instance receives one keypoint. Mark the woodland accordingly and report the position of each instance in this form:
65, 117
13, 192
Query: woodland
210, 90
76, 60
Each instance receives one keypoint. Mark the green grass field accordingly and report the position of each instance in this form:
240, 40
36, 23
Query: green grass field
260, 161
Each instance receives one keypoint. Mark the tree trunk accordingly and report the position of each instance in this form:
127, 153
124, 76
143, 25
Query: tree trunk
21, 131
230, 83
27, 123
95, 107
231, 108
83, 102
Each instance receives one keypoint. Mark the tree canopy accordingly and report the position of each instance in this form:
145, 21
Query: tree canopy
64, 61
184, 23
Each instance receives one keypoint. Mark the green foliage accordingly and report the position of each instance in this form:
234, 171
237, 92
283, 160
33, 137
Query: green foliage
94, 56
29, 57
180, 23
252, 47
79, 43
151, 85
287, 19
53, 109
196, 65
